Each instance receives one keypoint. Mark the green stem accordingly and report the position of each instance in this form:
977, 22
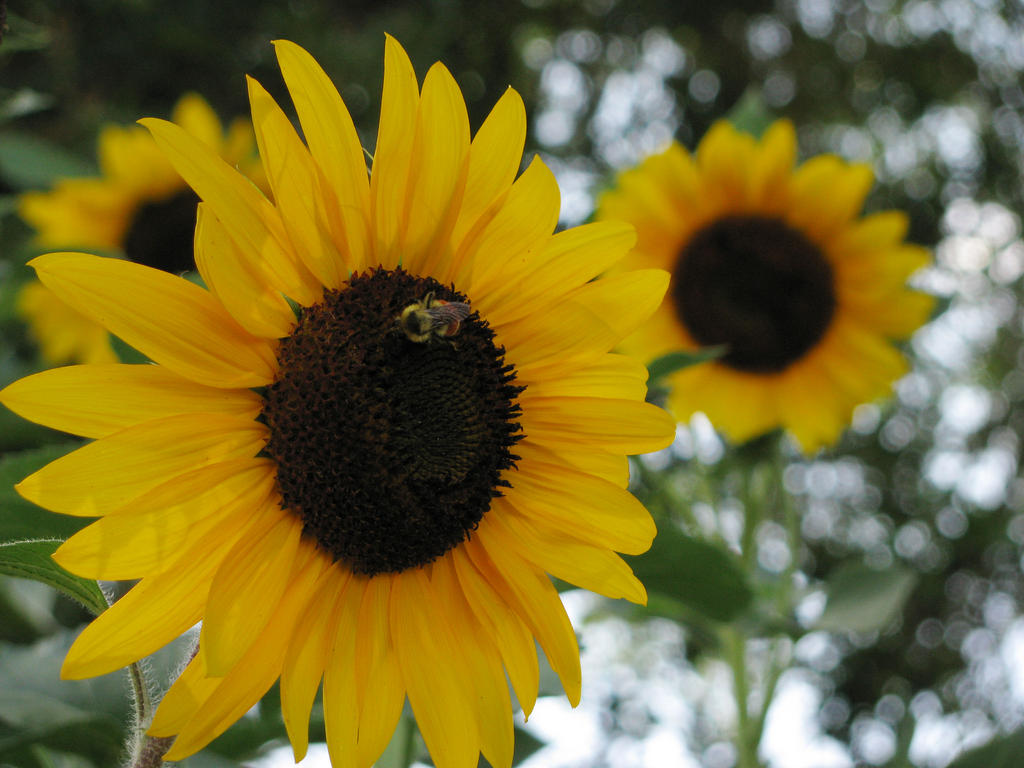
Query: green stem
778, 657
145, 751
745, 742
140, 693
408, 742
791, 520
777, 665
751, 519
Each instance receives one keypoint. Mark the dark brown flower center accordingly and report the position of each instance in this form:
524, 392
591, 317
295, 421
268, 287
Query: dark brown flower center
161, 233
757, 286
389, 449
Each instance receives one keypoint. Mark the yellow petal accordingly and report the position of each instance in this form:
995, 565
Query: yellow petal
662, 197
529, 592
300, 192
183, 699
480, 665
128, 155
144, 537
170, 320
63, 334
341, 704
724, 157
611, 375
237, 282
428, 657
595, 568
437, 173
510, 634
240, 689
248, 216
197, 117
896, 315
100, 399
494, 159
245, 591
379, 686
106, 474
81, 213
334, 144
158, 608
874, 232
621, 426
306, 658
392, 154
586, 323
874, 272
514, 225
773, 164
812, 409
567, 260
557, 496
826, 194
613, 467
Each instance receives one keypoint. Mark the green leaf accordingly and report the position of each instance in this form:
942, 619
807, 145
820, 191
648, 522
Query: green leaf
750, 114
28, 162
1001, 752
33, 719
21, 519
208, 759
863, 599
18, 434
405, 743
8, 203
526, 744
667, 364
16, 625
24, 35
49, 758
32, 560
699, 575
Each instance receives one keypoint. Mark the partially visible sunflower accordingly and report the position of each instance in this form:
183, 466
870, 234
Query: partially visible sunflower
139, 205
774, 262
333, 493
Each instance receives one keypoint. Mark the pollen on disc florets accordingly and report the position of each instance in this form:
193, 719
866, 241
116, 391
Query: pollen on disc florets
390, 450
757, 286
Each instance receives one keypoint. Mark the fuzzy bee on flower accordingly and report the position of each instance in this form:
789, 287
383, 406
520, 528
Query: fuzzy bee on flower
432, 318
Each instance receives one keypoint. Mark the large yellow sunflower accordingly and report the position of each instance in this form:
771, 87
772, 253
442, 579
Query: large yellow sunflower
371, 489
774, 262
139, 205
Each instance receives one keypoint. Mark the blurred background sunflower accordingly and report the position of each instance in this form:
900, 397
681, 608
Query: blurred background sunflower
773, 264
138, 207
899, 642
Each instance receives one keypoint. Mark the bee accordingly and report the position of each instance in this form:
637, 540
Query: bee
432, 318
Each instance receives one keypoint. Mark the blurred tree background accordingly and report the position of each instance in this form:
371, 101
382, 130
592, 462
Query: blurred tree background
906, 646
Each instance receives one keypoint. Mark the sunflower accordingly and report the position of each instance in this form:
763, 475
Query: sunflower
139, 205
363, 448
774, 263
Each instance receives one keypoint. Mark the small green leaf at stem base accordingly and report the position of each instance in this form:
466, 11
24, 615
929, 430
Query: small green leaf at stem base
669, 363
698, 574
863, 599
